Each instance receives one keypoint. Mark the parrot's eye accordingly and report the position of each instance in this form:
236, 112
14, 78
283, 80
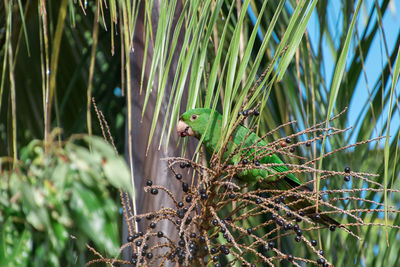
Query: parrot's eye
193, 117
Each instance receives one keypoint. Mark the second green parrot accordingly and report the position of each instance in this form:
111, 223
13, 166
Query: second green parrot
202, 121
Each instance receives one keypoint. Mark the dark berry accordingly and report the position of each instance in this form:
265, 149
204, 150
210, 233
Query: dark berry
188, 220
279, 222
130, 238
178, 176
226, 251
288, 140
215, 258
154, 191
308, 143
138, 219
249, 230
138, 243
180, 213
245, 161
332, 228
182, 165
346, 178
149, 183
152, 225
239, 113
258, 201
203, 196
180, 204
277, 200
185, 187
288, 226
256, 112
297, 238
245, 113
202, 191
292, 149
145, 246
321, 252
136, 235
160, 234
265, 248
271, 244
298, 232
181, 243
320, 261
257, 163
223, 230
232, 195
313, 242
215, 222
188, 199
296, 227
202, 239
347, 169
290, 257
217, 264
317, 217
193, 235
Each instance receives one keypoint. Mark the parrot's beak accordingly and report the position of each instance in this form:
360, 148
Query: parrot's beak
183, 129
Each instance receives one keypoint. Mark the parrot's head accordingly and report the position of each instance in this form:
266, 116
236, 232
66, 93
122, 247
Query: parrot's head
194, 122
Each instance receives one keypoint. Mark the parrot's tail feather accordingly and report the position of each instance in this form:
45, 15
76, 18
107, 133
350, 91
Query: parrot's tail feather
325, 219
310, 211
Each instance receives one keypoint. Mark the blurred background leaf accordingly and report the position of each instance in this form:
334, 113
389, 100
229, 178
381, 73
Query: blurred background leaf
49, 198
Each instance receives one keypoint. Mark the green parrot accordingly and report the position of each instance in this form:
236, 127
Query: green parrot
196, 121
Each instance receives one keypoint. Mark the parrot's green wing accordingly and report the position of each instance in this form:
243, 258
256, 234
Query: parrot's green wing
254, 175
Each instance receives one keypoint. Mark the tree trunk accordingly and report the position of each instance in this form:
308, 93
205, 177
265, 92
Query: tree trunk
150, 166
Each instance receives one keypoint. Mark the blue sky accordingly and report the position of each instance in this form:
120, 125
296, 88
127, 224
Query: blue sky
375, 60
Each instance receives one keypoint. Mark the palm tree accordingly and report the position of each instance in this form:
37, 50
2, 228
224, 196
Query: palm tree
166, 57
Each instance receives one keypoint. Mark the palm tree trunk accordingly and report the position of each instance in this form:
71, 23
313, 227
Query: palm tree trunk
150, 166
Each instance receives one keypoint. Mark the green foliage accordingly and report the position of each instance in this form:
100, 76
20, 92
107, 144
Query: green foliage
53, 203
